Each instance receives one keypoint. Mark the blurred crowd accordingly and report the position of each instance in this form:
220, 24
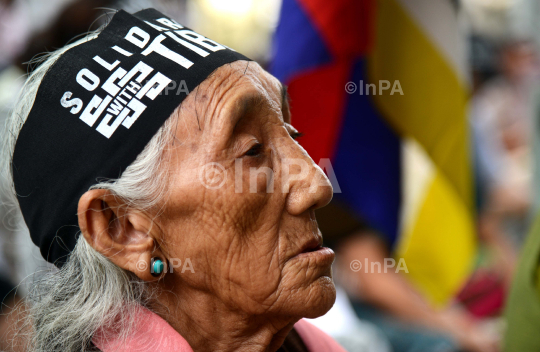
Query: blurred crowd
374, 311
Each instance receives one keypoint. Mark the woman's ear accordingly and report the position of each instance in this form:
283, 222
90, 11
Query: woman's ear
126, 237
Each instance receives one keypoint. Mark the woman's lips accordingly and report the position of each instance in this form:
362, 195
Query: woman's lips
315, 253
319, 254
316, 262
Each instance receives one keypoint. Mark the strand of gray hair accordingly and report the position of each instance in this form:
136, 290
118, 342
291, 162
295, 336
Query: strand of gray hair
67, 306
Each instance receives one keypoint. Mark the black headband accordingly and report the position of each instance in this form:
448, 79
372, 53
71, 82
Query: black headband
95, 111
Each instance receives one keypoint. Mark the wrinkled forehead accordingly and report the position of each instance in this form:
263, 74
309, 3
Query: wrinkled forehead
229, 94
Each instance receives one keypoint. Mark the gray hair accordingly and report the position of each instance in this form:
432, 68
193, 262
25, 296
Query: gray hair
67, 306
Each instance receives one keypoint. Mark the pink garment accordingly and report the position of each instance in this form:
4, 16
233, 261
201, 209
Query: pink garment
152, 333
315, 339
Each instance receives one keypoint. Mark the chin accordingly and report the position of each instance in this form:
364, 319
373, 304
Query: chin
321, 299
307, 293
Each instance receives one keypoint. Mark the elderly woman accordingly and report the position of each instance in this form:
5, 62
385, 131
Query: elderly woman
179, 222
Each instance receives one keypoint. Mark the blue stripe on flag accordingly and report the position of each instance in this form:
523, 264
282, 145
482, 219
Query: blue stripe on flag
368, 161
297, 46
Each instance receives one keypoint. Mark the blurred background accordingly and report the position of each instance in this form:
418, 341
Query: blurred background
423, 113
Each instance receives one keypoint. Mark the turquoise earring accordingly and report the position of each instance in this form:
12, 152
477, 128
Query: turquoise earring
156, 267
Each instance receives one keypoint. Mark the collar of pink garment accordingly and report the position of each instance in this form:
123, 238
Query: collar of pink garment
152, 333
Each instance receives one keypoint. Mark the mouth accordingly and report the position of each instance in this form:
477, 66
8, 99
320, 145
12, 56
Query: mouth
314, 258
311, 246
316, 252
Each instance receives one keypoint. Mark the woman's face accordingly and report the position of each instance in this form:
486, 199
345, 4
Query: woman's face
252, 243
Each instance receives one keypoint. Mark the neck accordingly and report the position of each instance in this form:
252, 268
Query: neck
208, 325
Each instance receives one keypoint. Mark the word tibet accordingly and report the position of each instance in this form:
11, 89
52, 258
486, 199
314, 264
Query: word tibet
124, 93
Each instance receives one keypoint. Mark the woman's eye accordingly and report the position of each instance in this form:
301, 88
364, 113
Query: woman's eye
255, 150
296, 135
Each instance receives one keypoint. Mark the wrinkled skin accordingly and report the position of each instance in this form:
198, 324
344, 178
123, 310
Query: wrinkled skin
248, 285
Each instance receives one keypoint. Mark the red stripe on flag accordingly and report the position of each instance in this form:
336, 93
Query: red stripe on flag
347, 26
317, 103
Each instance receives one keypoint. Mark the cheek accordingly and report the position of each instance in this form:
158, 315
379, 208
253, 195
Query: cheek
232, 239
255, 275
249, 261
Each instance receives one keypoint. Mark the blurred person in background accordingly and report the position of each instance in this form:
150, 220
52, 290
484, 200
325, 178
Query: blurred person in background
502, 113
386, 297
74, 19
502, 120
14, 30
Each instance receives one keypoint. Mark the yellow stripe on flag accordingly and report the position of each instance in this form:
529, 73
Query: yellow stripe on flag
438, 249
440, 245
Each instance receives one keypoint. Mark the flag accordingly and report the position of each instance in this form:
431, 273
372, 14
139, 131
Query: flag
380, 88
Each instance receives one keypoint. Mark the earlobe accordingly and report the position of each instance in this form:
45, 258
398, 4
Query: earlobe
122, 236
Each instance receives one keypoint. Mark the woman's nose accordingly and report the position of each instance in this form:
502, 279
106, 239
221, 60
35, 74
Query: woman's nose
306, 184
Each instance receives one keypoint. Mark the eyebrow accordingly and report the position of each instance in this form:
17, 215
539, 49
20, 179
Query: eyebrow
244, 105
250, 102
